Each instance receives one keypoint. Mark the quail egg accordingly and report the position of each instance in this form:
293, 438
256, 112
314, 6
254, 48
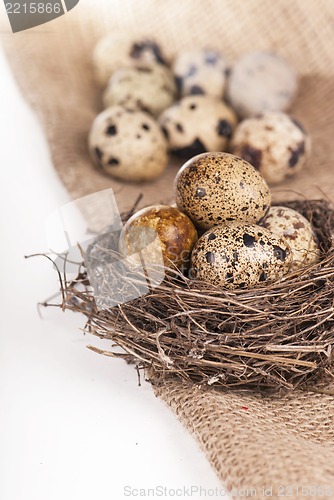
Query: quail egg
200, 71
117, 50
148, 89
298, 232
128, 145
215, 188
196, 124
166, 233
239, 256
261, 81
275, 144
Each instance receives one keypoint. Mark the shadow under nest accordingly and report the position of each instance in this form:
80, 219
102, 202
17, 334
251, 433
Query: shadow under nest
279, 336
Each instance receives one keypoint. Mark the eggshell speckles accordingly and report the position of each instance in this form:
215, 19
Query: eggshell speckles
261, 81
200, 71
297, 231
196, 124
148, 89
215, 188
128, 145
117, 50
174, 231
274, 143
239, 256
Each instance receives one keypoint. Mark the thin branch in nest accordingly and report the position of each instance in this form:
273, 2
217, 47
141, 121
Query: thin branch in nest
62, 288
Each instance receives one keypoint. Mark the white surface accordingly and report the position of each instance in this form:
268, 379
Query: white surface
73, 424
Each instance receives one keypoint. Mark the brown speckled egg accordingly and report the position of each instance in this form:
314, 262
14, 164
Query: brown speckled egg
214, 188
274, 143
128, 145
298, 232
239, 256
117, 50
196, 124
174, 234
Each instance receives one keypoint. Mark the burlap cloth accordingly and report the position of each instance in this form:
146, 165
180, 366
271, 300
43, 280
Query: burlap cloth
251, 440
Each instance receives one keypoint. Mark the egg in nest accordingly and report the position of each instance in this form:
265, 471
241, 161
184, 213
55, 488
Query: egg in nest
298, 232
214, 188
163, 233
240, 256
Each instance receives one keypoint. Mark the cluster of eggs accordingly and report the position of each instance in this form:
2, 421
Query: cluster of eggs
154, 107
223, 229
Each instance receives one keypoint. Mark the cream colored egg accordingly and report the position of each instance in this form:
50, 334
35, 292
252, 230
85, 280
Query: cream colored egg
148, 89
118, 50
200, 71
259, 82
196, 124
274, 143
128, 145
297, 231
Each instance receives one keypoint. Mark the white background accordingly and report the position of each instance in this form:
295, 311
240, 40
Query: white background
73, 424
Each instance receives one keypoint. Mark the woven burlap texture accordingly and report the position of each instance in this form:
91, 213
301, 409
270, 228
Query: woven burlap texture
251, 440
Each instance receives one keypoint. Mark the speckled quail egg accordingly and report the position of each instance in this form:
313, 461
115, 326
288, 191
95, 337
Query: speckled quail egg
214, 188
239, 256
298, 232
196, 124
160, 229
128, 145
261, 81
148, 89
200, 71
274, 143
117, 50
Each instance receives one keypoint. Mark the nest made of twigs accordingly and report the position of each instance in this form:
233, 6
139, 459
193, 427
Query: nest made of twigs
277, 336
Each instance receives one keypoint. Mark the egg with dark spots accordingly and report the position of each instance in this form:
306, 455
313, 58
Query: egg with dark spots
240, 256
148, 89
128, 145
118, 50
215, 188
196, 124
274, 143
297, 231
200, 71
163, 233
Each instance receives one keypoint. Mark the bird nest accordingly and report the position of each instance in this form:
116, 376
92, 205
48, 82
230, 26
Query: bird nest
276, 336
